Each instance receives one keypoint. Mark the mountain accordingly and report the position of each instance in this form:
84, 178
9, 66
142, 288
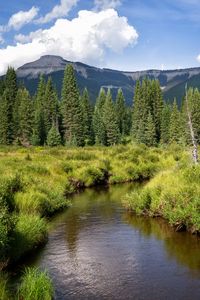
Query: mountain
172, 81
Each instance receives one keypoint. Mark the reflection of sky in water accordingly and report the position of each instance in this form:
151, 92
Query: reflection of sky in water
97, 251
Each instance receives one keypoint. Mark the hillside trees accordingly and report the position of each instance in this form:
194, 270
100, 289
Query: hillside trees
71, 110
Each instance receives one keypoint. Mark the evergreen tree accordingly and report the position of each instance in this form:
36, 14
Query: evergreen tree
39, 133
53, 137
50, 106
25, 112
71, 109
166, 114
157, 106
150, 133
140, 111
98, 124
121, 112
4, 125
194, 106
110, 121
175, 124
10, 93
128, 121
87, 118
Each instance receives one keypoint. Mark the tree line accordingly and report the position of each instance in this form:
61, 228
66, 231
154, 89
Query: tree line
44, 119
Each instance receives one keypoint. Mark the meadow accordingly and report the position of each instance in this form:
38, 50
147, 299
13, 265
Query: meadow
37, 182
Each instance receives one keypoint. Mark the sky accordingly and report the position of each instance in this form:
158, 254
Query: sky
127, 35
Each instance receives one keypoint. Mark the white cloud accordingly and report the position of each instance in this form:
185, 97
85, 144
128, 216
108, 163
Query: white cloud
58, 11
198, 58
21, 18
105, 4
85, 38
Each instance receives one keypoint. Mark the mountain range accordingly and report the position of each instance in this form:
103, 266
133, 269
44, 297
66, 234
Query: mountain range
172, 81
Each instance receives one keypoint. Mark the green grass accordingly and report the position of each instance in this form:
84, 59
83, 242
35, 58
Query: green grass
36, 285
48, 176
173, 194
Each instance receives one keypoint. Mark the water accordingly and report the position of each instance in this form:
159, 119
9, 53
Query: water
96, 250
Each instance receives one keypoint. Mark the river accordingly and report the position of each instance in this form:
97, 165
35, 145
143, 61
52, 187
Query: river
96, 250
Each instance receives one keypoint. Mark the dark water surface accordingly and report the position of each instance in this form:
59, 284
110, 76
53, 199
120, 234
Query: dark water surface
96, 250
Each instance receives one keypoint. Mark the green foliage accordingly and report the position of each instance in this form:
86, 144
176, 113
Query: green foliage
30, 230
71, 109
175, 125
35, 285
87, 112
150, 133
98, 122
53, 137
110, 121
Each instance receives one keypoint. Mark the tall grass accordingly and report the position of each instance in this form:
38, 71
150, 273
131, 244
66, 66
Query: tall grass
36, 285
173, 194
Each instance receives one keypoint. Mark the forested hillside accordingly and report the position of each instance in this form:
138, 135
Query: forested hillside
46, 119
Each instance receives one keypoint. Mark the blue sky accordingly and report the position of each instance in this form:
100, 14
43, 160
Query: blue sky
125, 35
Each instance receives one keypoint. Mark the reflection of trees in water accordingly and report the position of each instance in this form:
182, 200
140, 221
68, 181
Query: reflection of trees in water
100, 203
182, 246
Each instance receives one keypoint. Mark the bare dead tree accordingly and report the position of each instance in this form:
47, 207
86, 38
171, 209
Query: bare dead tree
195, 149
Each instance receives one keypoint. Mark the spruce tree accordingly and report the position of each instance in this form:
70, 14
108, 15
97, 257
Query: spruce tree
50, 106
110, 121
39, 133
165, 121
121, 112
25, 112
71, 109
4, 125
53, 137
98, 124
150, 132
156, 106
175, 124
10, 93
87, 110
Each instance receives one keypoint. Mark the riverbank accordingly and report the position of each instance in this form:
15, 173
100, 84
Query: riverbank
173, 194
36, 183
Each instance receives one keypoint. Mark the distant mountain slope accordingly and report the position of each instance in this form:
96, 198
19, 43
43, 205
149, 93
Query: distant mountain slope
172, 81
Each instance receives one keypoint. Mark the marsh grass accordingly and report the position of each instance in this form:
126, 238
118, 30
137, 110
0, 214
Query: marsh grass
38, 180
35, 285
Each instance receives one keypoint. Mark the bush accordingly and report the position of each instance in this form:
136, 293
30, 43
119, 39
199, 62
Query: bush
36, 285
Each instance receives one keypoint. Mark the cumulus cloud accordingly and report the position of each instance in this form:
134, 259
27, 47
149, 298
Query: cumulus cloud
58, 11
198, 58
21, 18
105, 4
85, 38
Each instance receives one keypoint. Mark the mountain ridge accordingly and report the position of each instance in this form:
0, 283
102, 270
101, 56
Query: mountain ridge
172, 81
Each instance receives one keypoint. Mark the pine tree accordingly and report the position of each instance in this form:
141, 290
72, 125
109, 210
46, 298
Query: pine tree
87, 118
166, 114
25, 112
157, 106
50, 106
140, 111
150, 132
110, 121
121, 112
39, 133
53, 137
10, 93
4, 125
175, 124
98, 124
71, 109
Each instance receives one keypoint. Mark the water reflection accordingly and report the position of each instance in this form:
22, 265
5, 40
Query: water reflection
96, 250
